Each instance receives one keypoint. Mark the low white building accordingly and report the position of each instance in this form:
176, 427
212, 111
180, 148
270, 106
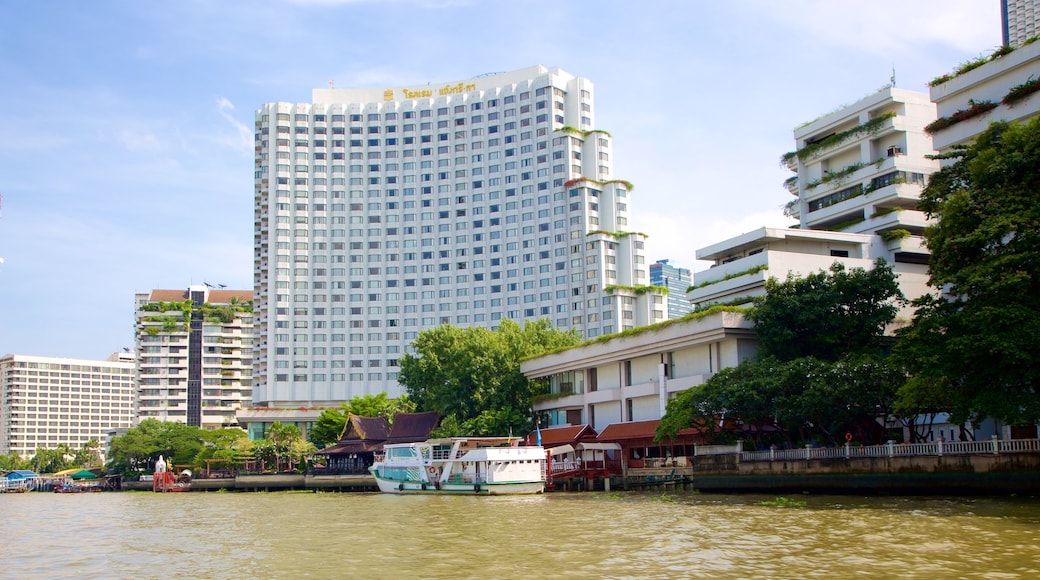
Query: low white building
630, 376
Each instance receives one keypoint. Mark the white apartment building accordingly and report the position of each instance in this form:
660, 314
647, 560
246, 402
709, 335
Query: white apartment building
631, 377
194, 355
383, 212
983, 95
860, 172
47, 401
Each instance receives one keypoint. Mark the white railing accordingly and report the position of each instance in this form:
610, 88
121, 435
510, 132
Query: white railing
940, 448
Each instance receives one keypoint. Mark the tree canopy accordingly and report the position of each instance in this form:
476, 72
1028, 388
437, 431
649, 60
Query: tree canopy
821, 373
978, 342
826, 315
471, 376
329, 426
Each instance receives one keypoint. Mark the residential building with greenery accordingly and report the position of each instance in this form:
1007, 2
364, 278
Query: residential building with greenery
859, 175
194, 355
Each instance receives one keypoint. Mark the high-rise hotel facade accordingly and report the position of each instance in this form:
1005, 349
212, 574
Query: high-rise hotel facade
383, 212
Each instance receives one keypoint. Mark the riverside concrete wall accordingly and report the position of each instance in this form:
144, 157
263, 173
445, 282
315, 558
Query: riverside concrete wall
955, 474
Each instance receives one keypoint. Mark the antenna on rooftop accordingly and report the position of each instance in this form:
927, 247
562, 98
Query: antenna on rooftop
331, 84
893, 75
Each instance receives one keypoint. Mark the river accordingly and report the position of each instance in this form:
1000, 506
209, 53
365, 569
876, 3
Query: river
574, 535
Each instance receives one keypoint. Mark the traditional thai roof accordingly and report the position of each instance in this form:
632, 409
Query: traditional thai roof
359, 428
564, 435
412, 427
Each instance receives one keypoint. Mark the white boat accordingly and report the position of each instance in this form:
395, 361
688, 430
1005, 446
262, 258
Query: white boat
461, 465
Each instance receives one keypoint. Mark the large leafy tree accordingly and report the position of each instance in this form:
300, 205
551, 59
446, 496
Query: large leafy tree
822, 372
979, 340
329, 426
141, 446
827, 315
471, 376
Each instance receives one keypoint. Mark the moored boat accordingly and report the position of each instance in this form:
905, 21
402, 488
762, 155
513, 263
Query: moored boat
461, 465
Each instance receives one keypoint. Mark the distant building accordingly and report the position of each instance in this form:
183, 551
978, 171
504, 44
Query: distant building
860, 172
381, 212
1020, 20
194, 355
677, 280
47, 401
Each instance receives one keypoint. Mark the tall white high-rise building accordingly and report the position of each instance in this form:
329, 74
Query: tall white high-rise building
49, 401
383, 212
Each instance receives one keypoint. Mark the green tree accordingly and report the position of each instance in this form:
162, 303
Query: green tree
284, 440
979, 338
821, 373
329, 426
466, 373
138, 449
827, 315
222, 445
88, 456
12, 461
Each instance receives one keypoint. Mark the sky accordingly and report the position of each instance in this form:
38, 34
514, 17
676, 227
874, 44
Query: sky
126, 157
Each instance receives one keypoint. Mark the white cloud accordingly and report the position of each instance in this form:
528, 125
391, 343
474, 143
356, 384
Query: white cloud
244, 141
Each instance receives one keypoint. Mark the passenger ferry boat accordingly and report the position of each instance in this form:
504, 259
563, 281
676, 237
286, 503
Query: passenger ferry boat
461, 465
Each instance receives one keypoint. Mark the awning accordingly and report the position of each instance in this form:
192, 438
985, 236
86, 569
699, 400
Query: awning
561, 450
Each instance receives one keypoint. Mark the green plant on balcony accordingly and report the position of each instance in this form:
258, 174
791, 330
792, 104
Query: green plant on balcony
841, 226
1020, 92
637, 290
576, 131
979, 61
893, 235
885, 211
839, 176
975, 108
790, 208
749, 271
813, 149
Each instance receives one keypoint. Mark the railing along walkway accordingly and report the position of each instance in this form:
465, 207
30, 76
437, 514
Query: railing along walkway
935, 448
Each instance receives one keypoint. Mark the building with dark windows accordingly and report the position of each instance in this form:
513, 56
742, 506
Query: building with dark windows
677, 280
194, 355
382, 212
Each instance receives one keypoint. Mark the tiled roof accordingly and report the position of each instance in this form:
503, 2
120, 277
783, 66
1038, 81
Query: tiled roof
410, 427
364, 429
168, 296
552, 436
629, 430
225, 296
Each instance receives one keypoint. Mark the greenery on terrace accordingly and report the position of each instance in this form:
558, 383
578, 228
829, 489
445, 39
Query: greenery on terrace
975, 63
751, 270
576, 131
975, 108
841, 175
637, 290
581, 179
813, 149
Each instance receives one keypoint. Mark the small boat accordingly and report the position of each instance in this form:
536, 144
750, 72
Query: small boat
74, 488
167, 481
461, 465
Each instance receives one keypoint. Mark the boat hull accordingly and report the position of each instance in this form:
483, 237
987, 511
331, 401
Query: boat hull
417, 487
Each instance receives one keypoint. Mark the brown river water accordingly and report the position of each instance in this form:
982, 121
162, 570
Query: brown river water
562, 535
